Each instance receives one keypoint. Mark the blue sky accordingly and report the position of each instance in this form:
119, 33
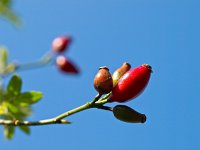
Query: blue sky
162, 33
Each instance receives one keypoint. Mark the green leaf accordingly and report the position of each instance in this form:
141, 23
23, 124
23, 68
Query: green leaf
25, 129
8, 13
14, 85
29, 97
12, 108
11, 16
26, 110
10, 68
3, 109
9, 132
3, 58
6, 2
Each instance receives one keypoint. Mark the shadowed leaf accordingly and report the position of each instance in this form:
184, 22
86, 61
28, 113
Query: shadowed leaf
14, 85
6, 3
12, 108
9, 132
25, 129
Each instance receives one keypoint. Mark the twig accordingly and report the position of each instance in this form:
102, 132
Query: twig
45, 60
56, 120
105, 108
97, 97
32, 123
42, 62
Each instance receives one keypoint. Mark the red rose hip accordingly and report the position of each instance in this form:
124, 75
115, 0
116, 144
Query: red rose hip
65, 65
61, 43
131, 84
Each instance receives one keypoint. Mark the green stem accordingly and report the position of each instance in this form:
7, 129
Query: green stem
58, 119
46, 59
32, 123
73, 111
97, 97
88, 105
105, 108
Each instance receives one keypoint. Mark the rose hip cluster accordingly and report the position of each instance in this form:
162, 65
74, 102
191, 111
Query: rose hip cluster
59, 46
125, 84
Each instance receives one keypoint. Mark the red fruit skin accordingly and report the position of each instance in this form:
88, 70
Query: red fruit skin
60, 44
131, 84
66, 66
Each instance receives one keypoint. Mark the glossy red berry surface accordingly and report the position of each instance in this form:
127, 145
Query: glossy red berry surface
131, 84
65, 65
61, 43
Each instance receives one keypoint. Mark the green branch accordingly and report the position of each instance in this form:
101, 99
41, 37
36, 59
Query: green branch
58, 119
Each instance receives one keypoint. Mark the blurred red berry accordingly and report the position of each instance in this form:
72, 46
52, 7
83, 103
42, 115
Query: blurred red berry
65, 65
61, 43
131, 84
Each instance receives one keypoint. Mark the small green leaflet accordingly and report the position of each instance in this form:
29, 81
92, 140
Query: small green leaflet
12, 108
3, 58
25, 129
29, 97
9, 131
14, 85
